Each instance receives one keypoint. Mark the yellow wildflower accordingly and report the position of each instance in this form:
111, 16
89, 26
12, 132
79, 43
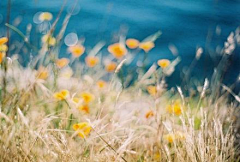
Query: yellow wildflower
132, 43
152, 90
51, 41
76, 99
3, 48
42, 73
3, 40
83, 129
62, 95
77, 50
146, 46
2, 55
117, 50
175, 108
111, 67
101, 84
163, 63
62, 62
149, 114
172, 137
45, 16
87, 97
84, 108
91, 61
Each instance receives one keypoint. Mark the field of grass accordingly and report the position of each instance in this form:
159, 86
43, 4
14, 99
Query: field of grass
61, 109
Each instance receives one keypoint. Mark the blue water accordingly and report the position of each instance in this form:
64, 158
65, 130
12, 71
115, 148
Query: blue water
186, 24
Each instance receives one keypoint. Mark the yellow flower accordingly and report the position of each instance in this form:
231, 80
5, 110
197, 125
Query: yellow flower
76, 99
111, 67
175, 108
42, 73
101, 84
152, 90
77, 50
83, 129
87, 97
3, 40
149, 114
51, 41
157, 156
169, 137
146, 46
62, 62
117, 50
84, 108
163, 63
172, 137
2, 55
62, 95
3, 48
91, 61
132, 43
45, 16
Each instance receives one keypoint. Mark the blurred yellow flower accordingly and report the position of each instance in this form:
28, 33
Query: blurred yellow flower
62, 95
3, 40
62, 62
132, 43
77, 50
51, 41
2, 55
3, 48
42, 73
152, 90
110, 67
157, 156
175, 108
91, 61
117, 50
83, 129
101, 84
76, 99
84, 108
146, 46
163, 63
149, 114
45, 16
172, 137
87, 97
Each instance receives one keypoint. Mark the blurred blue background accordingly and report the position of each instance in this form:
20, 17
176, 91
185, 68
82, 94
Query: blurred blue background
185, 24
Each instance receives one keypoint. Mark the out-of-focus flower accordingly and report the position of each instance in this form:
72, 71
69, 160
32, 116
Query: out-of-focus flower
101, 84
3, 40
146, 46
110, 67
163, 63
42, 73
45, 16
3, 48
49, 40
62, 62
87, 97
83, 129
152, 90
117, 50
172, 137
157, 156
77, 50
62, 95
2, 55
84, 108
76, 100
149, 114
91, 61
132, 43
175, 108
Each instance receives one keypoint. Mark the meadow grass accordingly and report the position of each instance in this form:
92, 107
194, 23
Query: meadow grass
61, 109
